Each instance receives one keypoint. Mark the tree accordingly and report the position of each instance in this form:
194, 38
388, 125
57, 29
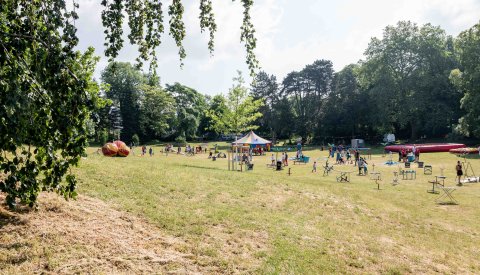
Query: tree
190, 106
218, 107
308, 89
46, 86
44, 111
157, 108
266, 87
467, 78
124, 83
346, 111
407, 74
241, 111
146, 22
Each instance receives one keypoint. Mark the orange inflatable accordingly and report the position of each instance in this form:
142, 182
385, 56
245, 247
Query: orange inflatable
109, 149
123, 149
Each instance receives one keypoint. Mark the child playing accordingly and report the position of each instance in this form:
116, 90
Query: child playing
314, 169
365, 167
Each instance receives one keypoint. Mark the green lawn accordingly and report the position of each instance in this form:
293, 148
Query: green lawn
266, 221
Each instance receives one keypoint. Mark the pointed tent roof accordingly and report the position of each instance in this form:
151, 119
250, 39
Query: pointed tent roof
252, 139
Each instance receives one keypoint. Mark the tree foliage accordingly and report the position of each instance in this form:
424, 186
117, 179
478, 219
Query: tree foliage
190, 108
47, 90
308, 89
47, 96
407, 74
157, 109
240, 113
146, 21
467, 78
125, 82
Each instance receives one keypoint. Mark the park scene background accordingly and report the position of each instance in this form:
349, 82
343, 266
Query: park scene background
100, 172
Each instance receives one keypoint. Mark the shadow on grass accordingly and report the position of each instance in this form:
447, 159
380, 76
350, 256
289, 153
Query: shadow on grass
202, 167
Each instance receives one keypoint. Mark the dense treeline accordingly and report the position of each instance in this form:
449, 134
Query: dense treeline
415, 82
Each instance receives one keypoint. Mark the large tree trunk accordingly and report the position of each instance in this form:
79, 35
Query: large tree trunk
414, 130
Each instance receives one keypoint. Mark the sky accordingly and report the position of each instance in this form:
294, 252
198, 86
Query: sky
290, 34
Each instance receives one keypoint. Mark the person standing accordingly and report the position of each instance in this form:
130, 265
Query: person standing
286, 158
360, 166
314, 169
365, 167
459, 173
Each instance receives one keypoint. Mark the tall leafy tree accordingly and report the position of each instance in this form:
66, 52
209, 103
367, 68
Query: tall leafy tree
41, 72
125, 82
467, 78
157, 109
241, 112
406, 72
218, 107
346, 107
308, 89
190, 108
47, 95
266, 87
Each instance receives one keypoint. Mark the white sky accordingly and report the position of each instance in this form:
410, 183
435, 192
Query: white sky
291, 34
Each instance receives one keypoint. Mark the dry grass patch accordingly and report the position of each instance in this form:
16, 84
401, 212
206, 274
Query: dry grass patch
89, 236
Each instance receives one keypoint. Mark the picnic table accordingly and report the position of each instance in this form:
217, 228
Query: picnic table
439, 180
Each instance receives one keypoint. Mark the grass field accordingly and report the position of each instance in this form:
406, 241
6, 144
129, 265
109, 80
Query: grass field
269, 222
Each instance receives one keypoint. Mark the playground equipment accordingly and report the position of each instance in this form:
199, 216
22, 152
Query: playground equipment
390, 161
395, 180
234, 158
469, 175
344, 176
301, 160
427, 170
327, 169
377, 177
425, 148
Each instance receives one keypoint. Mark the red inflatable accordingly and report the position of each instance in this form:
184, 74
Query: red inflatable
123, 149
109, 149
464, 151
425, 148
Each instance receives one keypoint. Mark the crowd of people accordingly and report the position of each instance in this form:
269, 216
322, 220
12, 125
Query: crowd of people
343, 155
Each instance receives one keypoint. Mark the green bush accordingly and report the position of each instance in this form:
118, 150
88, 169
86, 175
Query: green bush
102, 137
135, 139
181, 141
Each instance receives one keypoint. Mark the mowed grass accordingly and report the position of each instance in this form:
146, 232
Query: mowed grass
267, 221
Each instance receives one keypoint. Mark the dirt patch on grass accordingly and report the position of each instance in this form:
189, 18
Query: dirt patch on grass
90, 236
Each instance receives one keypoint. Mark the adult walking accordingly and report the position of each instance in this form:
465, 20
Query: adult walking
459, 173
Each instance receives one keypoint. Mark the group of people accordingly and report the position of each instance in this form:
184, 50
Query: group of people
404, 153
283, 159
344, 155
